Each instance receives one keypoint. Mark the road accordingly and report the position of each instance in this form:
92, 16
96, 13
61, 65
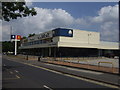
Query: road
18, 75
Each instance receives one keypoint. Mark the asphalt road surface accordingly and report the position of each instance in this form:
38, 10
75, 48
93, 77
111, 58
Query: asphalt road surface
18, 75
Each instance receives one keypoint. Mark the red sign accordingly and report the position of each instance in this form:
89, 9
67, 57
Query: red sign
18, 37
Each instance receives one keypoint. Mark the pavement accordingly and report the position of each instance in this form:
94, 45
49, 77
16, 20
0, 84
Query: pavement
111, 62
112, 70
108, 78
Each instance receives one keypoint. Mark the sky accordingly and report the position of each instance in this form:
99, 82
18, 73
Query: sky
90, 16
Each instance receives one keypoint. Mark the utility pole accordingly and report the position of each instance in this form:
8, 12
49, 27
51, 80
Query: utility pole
15, 46
15, 40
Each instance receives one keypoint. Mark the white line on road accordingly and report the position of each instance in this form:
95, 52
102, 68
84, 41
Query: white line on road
47, 87
16, 71
11, 72
17, 76
86, 71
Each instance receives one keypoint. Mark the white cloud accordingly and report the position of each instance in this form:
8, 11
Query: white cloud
29, 3
109, 31
5, 32
46, 19
108, 21
81, 21
109, 13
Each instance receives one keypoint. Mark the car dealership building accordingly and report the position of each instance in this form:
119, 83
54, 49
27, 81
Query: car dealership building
62, 42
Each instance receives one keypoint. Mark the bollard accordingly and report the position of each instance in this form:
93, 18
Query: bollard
38, 58
27, 57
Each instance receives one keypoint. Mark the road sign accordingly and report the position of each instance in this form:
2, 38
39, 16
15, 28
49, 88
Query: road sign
15, 38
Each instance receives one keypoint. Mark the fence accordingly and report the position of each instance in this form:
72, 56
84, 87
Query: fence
107, 63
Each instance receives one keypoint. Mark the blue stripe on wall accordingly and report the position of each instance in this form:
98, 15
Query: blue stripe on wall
63, 32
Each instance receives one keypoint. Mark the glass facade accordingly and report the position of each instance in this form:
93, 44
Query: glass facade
37, 42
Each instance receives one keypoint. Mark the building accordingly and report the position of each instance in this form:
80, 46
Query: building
62, 42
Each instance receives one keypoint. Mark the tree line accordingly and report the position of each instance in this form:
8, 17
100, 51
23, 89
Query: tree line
13, 10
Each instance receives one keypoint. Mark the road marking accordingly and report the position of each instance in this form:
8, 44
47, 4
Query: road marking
11, 72
43, 68
54, 65
92, 81
16, 71
86, 71
17, 76
47, 87
80, 78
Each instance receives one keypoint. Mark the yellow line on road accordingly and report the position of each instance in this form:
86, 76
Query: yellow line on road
80, 78
42, 68
88, 80
17, 76
92, 81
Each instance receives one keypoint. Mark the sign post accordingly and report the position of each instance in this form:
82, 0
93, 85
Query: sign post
15, 38
15, 46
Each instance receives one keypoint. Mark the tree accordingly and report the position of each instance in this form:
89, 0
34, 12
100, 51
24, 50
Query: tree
24, 37
13, 10
30, 35
7, 46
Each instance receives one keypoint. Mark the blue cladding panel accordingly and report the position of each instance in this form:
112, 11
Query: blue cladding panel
13, 36
63, 32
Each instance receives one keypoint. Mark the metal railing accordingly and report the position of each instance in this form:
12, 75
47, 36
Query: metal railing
107, 63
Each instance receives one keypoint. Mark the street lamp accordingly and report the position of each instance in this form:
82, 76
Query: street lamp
88, 37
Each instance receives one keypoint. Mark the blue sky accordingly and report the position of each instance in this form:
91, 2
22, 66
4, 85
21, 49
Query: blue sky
90, 16
76, 9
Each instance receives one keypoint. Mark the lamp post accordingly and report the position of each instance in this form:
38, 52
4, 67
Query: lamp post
88, 37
